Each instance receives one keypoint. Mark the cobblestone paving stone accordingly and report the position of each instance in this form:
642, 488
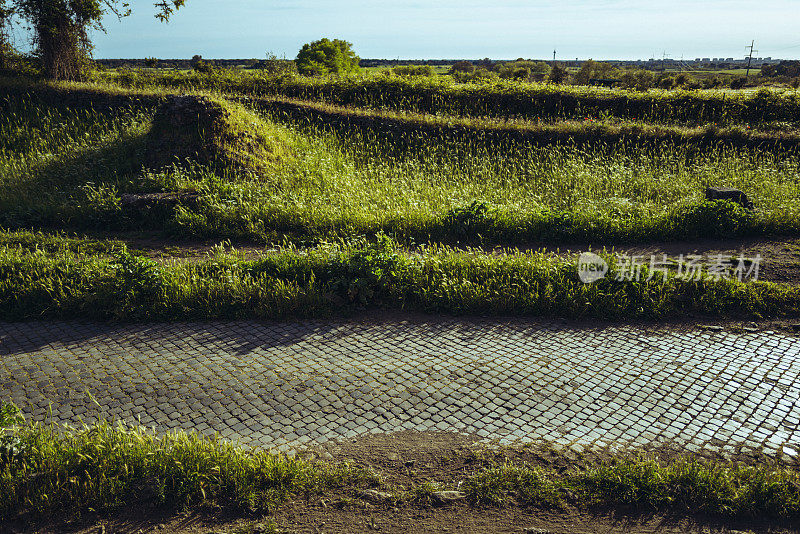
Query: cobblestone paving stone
286, 385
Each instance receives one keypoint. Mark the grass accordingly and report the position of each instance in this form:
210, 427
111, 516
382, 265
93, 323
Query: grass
354, 191
45, 470
316, 180
342, 277
441, 95
683, 486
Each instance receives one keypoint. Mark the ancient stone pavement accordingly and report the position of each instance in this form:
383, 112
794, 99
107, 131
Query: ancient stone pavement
285, 385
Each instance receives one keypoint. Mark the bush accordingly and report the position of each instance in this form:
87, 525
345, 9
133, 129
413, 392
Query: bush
713, 83
414, 70
640, 79
595, 70
200, 65
666, 82
558, 74
477, 76
521, 70
462, 66
738, 83
684, 79
712, 218
327, 56
273, 66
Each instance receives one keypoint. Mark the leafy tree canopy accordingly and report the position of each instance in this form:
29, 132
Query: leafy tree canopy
60, 28
327, 56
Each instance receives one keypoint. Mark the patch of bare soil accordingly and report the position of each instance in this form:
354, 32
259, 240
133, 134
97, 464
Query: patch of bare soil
320, 517
780, 256
400, 459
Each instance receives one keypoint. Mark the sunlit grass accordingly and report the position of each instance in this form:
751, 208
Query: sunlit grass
69, 168
340, 278
46, 470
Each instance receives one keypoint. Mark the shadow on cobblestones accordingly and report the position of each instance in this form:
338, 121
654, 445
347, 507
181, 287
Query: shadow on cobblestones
287, 385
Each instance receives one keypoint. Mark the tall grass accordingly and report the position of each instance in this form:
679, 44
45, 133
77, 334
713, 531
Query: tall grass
69, 169
684, 485
496, 99
47, 471
342, 278
59, 159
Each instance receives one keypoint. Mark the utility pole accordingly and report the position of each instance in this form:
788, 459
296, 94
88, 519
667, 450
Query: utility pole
750, 58
554, 57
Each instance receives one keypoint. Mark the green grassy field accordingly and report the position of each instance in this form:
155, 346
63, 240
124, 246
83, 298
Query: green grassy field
334, 196
273, 172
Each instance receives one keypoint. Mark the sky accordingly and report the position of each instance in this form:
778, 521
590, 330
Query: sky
469, 29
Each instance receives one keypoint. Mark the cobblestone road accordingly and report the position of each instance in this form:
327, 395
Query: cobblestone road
288, 384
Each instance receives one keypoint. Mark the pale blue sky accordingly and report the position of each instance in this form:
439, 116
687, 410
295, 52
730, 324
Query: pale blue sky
601, 29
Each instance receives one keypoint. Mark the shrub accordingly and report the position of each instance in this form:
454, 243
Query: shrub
594, 70
273, 66
558, 74
200, 65
327, 56
712, 218
666, 82
684, 79
478, 75
414, 70
738, 83
462, 66
639, 79
521, 70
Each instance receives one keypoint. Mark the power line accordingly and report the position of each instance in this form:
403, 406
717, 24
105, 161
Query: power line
750, 58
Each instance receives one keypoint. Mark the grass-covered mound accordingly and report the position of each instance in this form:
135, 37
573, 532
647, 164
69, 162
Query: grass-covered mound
214, 132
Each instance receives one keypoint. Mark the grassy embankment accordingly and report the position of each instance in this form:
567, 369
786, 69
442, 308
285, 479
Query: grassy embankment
45, 471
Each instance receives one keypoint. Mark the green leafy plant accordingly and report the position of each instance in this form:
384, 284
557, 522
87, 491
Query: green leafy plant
326, 56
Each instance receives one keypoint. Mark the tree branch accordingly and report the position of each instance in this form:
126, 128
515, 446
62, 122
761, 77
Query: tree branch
166, 8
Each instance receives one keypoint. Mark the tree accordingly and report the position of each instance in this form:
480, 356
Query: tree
594, 70
639, 79
200, 65
6, 13
327, 56
60, 29
558, 74
462, 66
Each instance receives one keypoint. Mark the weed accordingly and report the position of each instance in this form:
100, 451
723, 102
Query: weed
47, 470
